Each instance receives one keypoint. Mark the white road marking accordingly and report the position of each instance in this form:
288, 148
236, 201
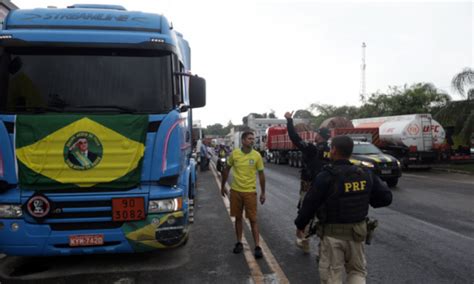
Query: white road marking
255, 269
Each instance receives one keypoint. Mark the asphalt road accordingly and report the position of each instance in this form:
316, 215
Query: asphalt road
425, 236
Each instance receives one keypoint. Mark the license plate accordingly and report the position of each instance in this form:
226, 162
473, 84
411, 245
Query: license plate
128, 209
386, 172
86, 240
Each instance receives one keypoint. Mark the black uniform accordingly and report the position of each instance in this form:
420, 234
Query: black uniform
346, 191
341, 195
314, 156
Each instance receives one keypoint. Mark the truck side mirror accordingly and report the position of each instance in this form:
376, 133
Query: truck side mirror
197, 91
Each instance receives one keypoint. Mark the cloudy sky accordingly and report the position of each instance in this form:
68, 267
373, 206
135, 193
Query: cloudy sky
281, 55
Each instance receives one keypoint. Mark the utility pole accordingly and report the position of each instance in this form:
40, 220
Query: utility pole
362, 75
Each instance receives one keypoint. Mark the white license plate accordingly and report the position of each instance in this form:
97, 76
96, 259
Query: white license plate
86, 240
386, 172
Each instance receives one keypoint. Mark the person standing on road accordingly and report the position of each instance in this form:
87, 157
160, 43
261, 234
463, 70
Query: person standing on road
245, 163
315, 156
204, 153
340, 197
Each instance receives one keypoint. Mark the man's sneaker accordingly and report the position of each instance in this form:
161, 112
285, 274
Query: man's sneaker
258, 252
238, 248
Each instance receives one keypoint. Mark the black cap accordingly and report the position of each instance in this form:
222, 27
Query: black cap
324, 132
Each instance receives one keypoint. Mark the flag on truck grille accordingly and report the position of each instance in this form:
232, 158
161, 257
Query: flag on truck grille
70, 151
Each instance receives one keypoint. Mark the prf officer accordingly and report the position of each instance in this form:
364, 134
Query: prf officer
340, 196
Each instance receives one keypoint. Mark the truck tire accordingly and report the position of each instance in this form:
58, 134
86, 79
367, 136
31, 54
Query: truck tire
392, 182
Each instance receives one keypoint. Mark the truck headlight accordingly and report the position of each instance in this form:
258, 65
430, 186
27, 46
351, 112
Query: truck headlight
10, 211
399, 164
367, 164
165, 205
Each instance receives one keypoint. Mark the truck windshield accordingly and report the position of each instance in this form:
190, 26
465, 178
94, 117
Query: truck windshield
365, 149
85, 80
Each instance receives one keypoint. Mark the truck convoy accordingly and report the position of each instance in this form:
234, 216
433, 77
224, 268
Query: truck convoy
417, 140
95, 131
280, 150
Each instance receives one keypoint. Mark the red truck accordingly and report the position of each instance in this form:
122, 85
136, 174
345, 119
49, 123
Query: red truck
280, 149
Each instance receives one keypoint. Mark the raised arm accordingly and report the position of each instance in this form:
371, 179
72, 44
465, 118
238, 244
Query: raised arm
294, 137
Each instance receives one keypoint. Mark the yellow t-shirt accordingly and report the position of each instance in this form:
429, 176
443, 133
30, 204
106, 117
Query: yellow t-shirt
244, 169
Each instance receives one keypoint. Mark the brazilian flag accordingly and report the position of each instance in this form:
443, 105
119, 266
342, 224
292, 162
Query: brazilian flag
77, 151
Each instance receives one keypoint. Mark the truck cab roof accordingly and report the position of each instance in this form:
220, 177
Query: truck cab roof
89, 25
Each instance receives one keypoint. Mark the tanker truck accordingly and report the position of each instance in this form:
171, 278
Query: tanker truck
417, 140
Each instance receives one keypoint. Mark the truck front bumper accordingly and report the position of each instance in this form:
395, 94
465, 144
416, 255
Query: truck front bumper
157, 231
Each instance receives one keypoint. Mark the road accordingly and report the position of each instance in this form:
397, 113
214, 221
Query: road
425, 236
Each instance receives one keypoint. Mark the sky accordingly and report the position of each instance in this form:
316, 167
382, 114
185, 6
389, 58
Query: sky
283, 55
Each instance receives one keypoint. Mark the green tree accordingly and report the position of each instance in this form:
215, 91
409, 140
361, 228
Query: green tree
228, 127
215, 129
418, 98
460, 114
302, 113
463, 83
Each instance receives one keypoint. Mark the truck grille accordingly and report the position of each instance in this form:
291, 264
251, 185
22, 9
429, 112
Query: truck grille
85, 226
72, 209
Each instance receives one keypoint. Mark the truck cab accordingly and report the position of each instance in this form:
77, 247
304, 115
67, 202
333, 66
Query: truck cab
95, 129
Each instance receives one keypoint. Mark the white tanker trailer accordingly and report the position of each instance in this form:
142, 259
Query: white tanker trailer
415, 139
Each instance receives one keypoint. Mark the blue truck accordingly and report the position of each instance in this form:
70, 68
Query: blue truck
95, 132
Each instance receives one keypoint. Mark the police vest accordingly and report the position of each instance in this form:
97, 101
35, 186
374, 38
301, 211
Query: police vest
314, 163
349, 195
324, 152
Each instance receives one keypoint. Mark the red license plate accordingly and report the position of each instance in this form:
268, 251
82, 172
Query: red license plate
128, 209
86, 240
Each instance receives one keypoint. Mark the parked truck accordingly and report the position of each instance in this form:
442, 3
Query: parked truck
280, 149
95, 131
417, 140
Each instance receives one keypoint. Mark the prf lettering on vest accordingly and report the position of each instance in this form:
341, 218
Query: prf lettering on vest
355, 186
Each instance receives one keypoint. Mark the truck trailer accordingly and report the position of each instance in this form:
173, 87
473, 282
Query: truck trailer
95, 131
417, 140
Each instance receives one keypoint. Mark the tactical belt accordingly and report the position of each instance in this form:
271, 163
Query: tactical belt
341, 231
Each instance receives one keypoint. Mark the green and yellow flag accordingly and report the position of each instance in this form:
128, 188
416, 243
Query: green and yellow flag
76, 151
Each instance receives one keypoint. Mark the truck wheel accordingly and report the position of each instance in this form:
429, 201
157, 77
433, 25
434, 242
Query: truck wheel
392, 182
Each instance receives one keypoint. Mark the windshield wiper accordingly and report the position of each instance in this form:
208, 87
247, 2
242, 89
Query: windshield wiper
122, 109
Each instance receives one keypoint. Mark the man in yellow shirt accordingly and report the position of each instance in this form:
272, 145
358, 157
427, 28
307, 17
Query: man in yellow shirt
245, 162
